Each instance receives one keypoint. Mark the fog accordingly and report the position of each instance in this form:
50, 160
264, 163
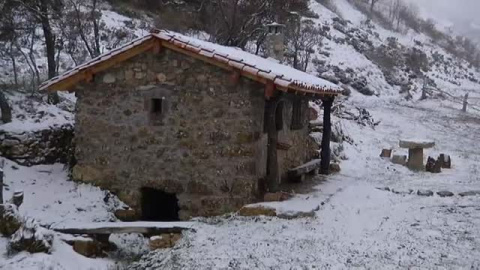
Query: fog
462, 15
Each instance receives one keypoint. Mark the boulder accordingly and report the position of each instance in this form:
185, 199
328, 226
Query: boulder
88, 248
276, 197
10, 220
167, 240
445, 193
256, 210
386, 153
399, 159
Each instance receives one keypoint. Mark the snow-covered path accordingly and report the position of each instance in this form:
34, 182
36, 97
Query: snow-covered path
359, 225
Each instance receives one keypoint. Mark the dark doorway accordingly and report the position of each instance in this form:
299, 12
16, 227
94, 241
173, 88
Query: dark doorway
158, 205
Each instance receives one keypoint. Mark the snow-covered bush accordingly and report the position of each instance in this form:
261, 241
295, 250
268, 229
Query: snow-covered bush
31, 237
10, 220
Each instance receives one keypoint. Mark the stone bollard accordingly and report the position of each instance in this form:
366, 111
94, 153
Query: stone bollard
386, 153
445, 161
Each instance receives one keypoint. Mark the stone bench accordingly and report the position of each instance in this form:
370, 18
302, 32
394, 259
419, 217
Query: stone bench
415, 152
298, 174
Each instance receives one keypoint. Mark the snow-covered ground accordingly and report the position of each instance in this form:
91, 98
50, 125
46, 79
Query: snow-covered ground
356, 223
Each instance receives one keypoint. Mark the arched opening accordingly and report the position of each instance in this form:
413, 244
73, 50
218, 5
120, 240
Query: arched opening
158, 205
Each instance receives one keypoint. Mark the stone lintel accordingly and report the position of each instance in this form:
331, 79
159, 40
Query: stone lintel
416, 144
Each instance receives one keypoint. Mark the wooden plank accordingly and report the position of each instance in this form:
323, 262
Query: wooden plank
305, 168
151, 228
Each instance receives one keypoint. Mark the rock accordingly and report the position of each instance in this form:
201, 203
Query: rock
426, 193
445, 193
10, 219
17, 198
109, 78
433, 166
167, 240
334, 167
276, 197
161, 77
470, 193
126, 214
256, 210
88, 248
32, 238
399, 159
386, 153
445, 161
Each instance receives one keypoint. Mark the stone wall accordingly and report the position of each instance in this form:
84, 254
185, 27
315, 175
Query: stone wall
38, 147
207, 146
300, 147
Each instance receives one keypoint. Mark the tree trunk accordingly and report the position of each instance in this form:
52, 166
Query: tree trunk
327, 132
14, 65
2, 162
96, 29
5, 109
50, 45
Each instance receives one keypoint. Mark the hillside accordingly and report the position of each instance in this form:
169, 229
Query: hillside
370, 215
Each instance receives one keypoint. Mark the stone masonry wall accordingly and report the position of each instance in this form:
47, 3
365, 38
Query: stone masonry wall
301, 146
208, 145
46, 146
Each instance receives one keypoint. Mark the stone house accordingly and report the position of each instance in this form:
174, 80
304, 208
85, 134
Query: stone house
178, 127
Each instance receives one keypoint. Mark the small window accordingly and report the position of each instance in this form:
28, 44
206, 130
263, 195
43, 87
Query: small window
157, 106
297, 115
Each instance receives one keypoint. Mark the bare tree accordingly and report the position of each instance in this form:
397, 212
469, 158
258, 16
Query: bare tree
302, 37
42, 11
372, 4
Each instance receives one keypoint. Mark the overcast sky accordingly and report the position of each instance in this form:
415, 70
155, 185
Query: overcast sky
458, 12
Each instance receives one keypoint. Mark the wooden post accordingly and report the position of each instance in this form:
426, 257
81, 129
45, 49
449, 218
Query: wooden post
327, 132
272, 161
465, 103
2, 162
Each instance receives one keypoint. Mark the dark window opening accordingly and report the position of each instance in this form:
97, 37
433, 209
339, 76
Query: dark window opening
297, 119
157, 105
279, 116
158, 205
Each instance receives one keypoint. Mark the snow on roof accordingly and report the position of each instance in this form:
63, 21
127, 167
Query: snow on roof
284, 77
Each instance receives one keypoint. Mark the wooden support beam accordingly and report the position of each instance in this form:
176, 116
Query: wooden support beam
157, 47
327, 133
269, 90
89, 77
235, 77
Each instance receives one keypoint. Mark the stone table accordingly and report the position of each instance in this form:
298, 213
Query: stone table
415, 152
